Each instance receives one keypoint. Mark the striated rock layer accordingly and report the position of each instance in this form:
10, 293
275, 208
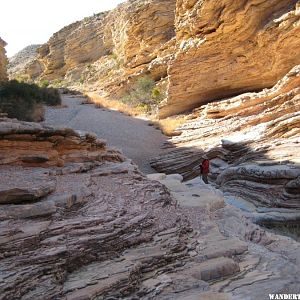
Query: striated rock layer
79, 221
3, 61
68, 205
106, 50
196, 51
252, 141
36, 145
230, 47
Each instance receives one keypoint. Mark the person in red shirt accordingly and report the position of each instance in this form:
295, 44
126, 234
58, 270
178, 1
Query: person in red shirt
204, 169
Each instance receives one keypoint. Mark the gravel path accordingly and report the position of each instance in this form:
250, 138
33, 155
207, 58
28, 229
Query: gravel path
134, 137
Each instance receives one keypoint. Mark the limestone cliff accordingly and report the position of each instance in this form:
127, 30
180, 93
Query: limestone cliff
208, 49
21, 61
230, 47
106, 49
3, 61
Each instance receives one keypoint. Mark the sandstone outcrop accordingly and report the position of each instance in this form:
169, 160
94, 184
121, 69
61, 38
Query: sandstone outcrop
179, 42
230, 47
3, 61
252, 141
38, 145
106, 50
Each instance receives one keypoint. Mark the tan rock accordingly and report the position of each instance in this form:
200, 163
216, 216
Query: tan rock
37, 145
230, 47
106, 50
3, 61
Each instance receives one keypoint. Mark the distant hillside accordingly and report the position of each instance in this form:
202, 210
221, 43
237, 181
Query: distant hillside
19, 62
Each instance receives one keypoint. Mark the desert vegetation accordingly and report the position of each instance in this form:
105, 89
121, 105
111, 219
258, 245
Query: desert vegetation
169, 126
25, 101
143, 98
143, 95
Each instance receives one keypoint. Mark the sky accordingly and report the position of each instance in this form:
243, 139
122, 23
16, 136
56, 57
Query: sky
27, 22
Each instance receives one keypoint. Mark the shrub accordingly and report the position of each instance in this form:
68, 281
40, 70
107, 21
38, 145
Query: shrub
82, 79
58, 83
44, 83
169, 126
114, 56
144, 94
156, 95
23, 78
22, 101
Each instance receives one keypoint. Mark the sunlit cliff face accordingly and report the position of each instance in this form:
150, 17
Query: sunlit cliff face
3, 61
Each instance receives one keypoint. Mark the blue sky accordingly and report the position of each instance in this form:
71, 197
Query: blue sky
25, 22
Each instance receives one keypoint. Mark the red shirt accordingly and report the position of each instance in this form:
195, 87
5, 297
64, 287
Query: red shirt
205, 166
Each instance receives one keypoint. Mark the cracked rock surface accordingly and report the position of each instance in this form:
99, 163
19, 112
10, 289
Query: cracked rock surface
105, 231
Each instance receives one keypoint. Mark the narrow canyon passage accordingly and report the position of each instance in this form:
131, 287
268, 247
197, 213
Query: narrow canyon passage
133, 136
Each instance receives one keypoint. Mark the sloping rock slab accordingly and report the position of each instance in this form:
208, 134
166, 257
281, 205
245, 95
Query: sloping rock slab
23, 185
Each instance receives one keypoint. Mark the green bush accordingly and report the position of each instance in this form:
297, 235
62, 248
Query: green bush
57, 83
144, 94
44, 83
22, 100
156, 94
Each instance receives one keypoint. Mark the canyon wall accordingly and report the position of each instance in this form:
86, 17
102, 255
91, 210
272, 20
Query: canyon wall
105, 50
3, 61
200, 50
20, 63
230, 47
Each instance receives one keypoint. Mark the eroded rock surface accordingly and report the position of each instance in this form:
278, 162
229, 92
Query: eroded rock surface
3, 61
230, 47
36, 145
93, 227
196, 51
21, 61
107, 51
252, 141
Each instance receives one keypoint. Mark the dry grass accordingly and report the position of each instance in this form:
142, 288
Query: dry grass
168, 126
113, 104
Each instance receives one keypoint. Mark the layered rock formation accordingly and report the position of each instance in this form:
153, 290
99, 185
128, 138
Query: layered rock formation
105, 50
79, 221
230, 47
3, 61
252, 141
69, 205
220, 49
37, 145
22, 61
